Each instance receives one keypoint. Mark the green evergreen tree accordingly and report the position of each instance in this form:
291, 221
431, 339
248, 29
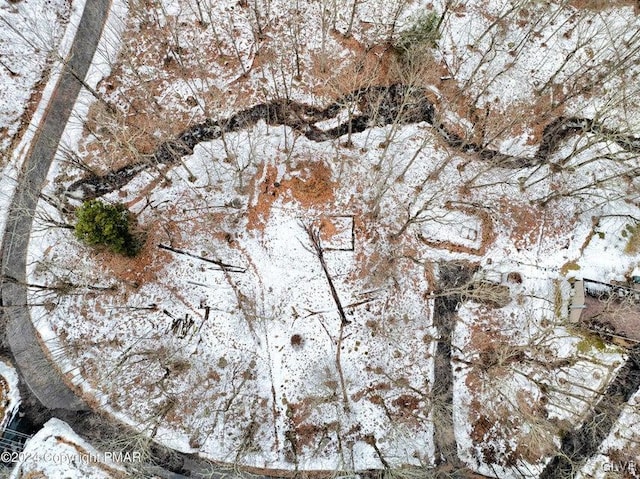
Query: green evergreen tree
423, 33
105, 224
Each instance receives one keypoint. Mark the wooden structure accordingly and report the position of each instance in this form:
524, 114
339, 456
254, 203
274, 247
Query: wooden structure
606, 308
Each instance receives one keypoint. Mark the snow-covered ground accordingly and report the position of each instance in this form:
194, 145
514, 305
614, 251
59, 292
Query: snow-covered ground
29, 34
57, 452
242, 326
35, 37
252, 364
519, 389
619, 453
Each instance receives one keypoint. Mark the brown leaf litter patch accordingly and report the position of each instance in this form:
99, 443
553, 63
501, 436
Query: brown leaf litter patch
186, 215
146, 267
380, 260
122, 138
308, 185
408, 409
362, 67
492, 352
328, 228
372, 264
371, 390
301, 411
526, 224
495, 427
404, 408
336, 231
143, 109
304, 432
599, 5
495, 423
308, 435
498, 119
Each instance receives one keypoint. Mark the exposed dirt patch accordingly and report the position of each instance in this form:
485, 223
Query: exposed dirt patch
308, 185
144, 268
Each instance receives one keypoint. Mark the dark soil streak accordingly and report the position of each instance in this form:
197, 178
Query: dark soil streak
380, 105
452, 276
